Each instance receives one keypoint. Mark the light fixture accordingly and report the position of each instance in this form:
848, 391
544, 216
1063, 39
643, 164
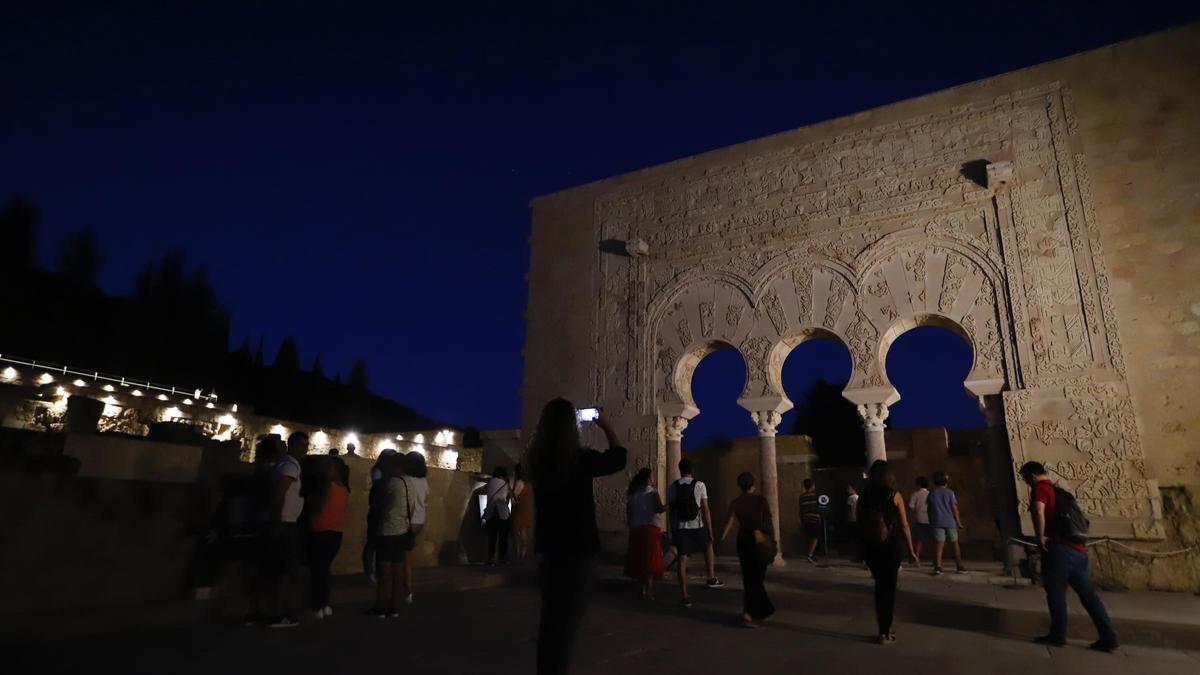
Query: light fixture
188, 401
46, 378
399, 437
234, 407
419, 438
79, 383
9, 374
161, 397
137, 392
108, 387
209, 405
279, 430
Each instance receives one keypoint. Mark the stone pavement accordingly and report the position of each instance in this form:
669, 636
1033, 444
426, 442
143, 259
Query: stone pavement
824, 625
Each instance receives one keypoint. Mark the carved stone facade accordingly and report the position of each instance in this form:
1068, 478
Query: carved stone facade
976, 215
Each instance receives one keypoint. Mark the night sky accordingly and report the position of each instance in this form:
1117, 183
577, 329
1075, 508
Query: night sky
360, 177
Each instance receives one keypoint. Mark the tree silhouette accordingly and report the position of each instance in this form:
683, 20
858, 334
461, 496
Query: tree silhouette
258, 353
78, 257
18, 221
316, 367
357, 379
288, 356
833, 424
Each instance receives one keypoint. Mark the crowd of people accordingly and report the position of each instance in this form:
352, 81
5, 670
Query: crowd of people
302, 508
291, 513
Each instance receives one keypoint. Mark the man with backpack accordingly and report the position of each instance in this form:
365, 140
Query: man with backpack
1061, 530
691, 526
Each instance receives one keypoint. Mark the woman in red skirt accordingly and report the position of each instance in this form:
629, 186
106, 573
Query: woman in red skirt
644, 561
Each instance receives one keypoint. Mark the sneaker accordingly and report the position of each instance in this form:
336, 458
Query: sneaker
686, 602
1050, 641
937, 571
328, 611
1102, 646
961, 570
284, 622
408, 599
715, 583
812, 560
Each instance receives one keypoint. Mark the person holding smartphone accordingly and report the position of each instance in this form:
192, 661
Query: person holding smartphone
562, 470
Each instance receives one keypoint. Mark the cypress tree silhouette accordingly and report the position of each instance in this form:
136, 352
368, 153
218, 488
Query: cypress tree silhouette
288, 356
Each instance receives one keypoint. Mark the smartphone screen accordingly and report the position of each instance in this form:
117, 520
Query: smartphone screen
588, 414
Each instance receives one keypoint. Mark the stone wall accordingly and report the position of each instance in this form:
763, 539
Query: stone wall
1048, 216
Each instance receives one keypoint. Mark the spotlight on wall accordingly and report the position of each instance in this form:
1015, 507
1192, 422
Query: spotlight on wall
46, 378
8, 374
79, 383
137, 392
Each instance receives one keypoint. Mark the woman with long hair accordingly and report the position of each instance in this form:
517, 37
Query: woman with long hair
522, 516
395, 537
327, 513
752, 514
644, 560
566, 536
415, 472
374, 500
883, 531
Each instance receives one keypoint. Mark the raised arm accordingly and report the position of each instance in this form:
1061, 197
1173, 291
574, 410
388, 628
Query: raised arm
605, 463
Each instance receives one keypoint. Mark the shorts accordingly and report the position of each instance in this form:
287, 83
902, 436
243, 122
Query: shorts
393, 548
944, 534
281, 549
691, 541
922, 532
812, 528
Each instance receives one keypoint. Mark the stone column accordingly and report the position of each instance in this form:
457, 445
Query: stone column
874, 415
766, 421
674, 431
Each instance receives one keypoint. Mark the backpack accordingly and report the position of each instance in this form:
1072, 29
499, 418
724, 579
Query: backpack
1069, 521
684, 506
874, 526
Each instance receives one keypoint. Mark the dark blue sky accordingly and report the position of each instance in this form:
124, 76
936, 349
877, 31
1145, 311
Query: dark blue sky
360, 177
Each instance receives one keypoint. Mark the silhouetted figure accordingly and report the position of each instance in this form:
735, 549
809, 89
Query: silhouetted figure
945, 522
281, 541
810, 518
755, 547
566, 535
327, 500
691, 527
522, 516
1064, 560
919, 504
851, 537
497, 515
884, 534
374, 503
396, 537
644, 558
415, 472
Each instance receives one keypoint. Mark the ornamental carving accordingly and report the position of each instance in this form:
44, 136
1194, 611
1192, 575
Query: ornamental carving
865, 234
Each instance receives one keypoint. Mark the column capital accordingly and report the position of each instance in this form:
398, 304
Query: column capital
766, 421
873, 415
674, 426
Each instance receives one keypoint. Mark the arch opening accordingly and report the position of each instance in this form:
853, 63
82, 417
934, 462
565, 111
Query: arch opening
813, 375
928, 364
713, 382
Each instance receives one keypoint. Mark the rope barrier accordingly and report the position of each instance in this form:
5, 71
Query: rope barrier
1113, 542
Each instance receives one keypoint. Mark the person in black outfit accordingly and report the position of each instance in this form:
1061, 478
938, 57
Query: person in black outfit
752, 513
566, 535
883, 530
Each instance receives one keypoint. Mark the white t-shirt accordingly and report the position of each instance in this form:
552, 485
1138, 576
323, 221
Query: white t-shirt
418, 496
642, 508
701, 493
293, 503
852, 512
919, 503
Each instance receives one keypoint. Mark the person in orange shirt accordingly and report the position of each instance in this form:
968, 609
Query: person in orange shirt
327, 503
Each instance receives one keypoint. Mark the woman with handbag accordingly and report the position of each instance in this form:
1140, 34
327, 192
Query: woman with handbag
755, 546
396, 537
415, 480
883, 531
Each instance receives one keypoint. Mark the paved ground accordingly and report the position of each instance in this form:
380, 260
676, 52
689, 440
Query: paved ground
823, 625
